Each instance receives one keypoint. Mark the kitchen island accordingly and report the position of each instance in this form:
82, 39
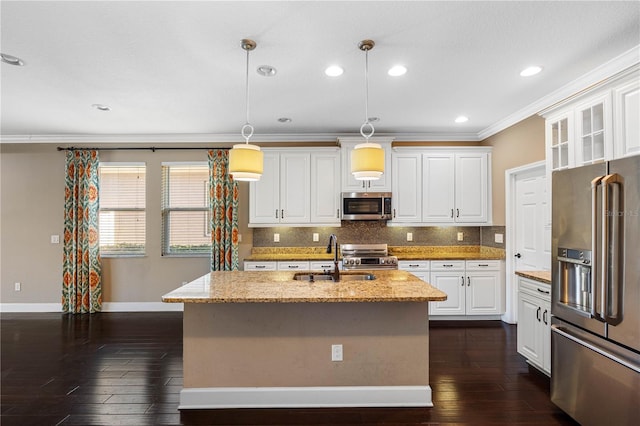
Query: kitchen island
263, 339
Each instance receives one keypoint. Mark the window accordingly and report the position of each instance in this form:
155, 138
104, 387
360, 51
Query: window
185, 209
122, 209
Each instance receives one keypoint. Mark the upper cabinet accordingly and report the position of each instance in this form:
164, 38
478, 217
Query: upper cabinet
439, 186
599, 125
351, 184
298, 187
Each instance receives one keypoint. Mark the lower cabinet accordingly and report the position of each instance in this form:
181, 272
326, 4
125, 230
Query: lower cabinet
534, 323
473, 287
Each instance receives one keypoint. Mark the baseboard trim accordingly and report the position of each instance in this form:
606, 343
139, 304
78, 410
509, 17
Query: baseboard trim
106, 307
305, 397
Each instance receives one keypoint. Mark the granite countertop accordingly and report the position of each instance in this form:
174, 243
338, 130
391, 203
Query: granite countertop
539, 276
280, 287
402, 252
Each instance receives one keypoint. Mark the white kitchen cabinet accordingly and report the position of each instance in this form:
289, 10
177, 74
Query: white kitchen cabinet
323, 265
253, 265
298, 265
474, 287
439, 186
351, 184
534, 323
448, 276
325, 187
297, 188
406, 187
419, 268
627, 110
600, 124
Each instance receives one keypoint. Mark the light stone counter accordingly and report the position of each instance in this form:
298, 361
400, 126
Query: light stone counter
280, 287
539, 276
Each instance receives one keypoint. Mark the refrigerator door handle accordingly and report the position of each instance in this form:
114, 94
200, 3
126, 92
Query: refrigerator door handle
610, 277
598, 269
564, 332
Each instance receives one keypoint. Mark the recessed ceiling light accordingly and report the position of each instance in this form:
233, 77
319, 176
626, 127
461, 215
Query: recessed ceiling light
334, 71
397, 70
11, 60
101, 107
266, 70
462, 119
284, 120
529, 71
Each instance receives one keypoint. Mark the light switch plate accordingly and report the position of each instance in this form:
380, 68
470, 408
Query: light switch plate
276, 238
499, 238
239, 238
409, 236
336, 352
460, 236
17, 286
316, 237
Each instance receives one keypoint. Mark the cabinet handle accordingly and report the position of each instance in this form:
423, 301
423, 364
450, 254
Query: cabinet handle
260, 266
276, 213
394, 213
282, 214
462, 278
538, 313
468, 281
457, 212
338, 213
413, 266
543, 291
363, 183
544, 317
451, 213
293, 266
448, 266
483, 264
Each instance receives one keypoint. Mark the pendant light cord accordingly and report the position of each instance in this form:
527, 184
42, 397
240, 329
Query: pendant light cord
247, 129
367, 123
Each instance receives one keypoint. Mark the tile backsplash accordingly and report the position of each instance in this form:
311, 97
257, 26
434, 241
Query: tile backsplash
370, 232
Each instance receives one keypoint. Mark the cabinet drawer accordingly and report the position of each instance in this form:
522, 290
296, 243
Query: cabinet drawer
259, 266
483, 265
534, 288
323, 265
409, 265
293, 266
447, 265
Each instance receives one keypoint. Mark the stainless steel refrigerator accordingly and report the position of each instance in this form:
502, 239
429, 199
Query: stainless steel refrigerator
595, 331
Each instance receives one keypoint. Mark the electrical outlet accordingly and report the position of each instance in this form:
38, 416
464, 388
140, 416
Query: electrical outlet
17, 287
316, 237
239, 238
409, 236
276, 238
55, 239
499, 238
336, 352
460, 236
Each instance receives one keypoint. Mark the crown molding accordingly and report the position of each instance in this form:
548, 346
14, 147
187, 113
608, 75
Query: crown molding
603, 72
233, 138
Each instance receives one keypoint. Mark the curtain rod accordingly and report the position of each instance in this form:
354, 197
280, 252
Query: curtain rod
129, 148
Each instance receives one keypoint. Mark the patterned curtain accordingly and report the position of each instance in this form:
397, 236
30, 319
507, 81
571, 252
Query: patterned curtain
223, 206
81, 268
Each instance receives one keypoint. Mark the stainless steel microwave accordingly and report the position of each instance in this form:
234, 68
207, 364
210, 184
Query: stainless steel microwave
366, 205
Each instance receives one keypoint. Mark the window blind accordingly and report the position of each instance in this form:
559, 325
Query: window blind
122, 217
185, 209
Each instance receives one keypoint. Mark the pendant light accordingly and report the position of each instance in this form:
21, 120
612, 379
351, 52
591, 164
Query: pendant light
367, 159
246, 160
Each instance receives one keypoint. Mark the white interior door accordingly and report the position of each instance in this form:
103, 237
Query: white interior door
532, 232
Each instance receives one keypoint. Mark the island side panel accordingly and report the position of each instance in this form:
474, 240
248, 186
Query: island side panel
289, 344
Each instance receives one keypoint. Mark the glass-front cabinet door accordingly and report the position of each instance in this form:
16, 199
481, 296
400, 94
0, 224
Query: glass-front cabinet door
594, 131
559, 135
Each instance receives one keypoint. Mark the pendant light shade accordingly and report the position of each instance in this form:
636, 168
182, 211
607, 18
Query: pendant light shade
246, 160
367, 159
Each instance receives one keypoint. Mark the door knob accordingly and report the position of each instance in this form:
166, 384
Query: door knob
518, 255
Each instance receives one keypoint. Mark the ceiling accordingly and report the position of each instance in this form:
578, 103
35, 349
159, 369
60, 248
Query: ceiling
175, 71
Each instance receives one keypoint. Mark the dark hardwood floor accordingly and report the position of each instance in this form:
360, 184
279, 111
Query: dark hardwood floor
126, 369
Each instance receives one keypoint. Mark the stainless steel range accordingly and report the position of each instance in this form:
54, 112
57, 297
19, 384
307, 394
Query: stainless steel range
367, 256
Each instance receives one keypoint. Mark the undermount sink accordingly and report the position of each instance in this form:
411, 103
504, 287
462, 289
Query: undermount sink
311, 277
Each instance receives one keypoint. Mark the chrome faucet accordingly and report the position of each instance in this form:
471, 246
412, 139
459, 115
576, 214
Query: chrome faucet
336, 270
